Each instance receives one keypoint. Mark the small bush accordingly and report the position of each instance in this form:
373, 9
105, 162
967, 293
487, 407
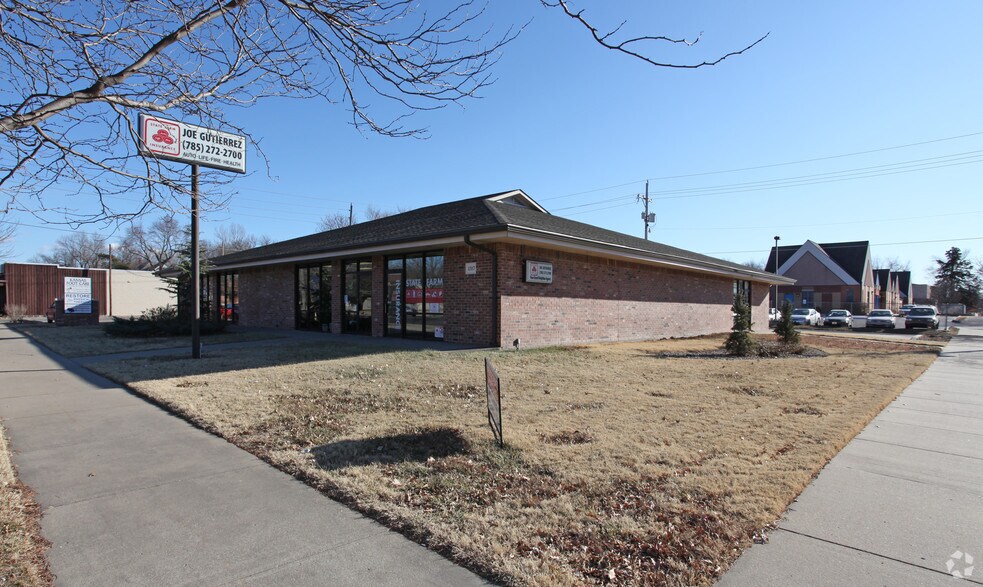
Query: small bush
16, 312
740, 343
160, 321
785, 329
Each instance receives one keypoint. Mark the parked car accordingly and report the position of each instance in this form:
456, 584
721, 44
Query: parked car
808, 316
50, 312
880, 319
922, 317
839, 318
906, 308
774, 315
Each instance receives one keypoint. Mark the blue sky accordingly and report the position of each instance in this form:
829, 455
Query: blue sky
833, 123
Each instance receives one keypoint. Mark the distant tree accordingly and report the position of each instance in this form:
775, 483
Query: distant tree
339, 220
892, 263
333, 221
153, 248
6, 240
79, 249
785, 328
76, 74
956, 280
182, 286
739, 342
756, 265
232, 238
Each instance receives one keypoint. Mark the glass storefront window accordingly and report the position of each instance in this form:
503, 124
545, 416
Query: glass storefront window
358, 297
227, 297
415, 295
313, 297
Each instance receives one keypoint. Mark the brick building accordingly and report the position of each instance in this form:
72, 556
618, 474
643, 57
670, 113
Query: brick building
486, 271
827, 276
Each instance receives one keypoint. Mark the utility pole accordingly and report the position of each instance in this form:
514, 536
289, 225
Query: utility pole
351, 214
647, 218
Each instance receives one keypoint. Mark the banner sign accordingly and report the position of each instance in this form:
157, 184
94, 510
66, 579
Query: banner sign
539, 272
78, 295
196, 145
493, 389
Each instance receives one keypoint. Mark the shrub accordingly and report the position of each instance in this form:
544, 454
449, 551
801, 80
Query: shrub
785, 329
16, 312
739, 342
160, 321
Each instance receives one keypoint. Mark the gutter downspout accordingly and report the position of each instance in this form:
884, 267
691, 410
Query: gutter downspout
494, 286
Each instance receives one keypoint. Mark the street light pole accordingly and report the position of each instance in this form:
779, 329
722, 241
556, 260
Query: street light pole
110, 309
776, 273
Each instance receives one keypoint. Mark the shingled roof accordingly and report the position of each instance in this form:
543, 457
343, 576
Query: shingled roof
851, 256
472, 217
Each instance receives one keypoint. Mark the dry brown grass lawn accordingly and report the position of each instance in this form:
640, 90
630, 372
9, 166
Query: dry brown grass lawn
85, 341
22, 548
622, 465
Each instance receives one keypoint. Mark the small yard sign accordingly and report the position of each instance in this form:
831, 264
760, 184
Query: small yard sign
539, 272
494, 390
78, 295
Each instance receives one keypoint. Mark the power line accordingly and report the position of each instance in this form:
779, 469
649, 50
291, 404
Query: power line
943, 240
770, 165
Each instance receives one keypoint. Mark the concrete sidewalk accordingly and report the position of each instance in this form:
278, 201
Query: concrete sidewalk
900, 500
133, 495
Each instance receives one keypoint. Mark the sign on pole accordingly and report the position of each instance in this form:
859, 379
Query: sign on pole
494, 390
161, 138
78, 295
196, 145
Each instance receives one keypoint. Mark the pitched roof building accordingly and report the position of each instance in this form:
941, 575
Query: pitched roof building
485, 270
829, 275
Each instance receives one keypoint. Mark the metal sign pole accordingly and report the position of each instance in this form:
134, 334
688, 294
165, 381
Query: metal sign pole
195, 269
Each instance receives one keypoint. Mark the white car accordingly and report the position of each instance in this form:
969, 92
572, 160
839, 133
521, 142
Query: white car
839, 318
808, 316
880, 319
774, 315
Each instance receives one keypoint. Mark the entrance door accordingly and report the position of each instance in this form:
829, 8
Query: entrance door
358, 297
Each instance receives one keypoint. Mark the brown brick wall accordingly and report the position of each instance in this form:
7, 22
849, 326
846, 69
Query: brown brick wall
267, 297
468, 298
590, 300
593, 299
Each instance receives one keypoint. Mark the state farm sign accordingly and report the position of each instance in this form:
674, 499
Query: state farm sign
187, 143
539, 272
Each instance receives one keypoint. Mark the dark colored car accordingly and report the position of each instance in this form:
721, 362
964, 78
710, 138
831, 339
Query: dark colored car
922, 317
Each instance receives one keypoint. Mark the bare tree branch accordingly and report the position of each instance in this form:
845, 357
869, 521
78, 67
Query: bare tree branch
634, 46
6, 240
77, 73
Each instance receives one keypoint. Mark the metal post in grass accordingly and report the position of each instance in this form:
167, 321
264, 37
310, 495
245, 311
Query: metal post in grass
493, 388
196, 145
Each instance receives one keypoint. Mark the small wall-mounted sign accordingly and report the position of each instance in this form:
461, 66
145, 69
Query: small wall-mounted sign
471, 268
539, 272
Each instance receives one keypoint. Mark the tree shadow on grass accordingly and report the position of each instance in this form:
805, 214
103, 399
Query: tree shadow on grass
398, 448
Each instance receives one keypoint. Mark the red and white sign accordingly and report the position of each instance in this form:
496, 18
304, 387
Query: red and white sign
162, 137
539, 272
187, 143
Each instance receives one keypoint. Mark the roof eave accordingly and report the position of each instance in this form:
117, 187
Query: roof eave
543, 237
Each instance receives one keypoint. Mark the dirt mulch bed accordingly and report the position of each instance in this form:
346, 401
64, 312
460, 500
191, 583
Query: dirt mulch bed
22, 548
624, 464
